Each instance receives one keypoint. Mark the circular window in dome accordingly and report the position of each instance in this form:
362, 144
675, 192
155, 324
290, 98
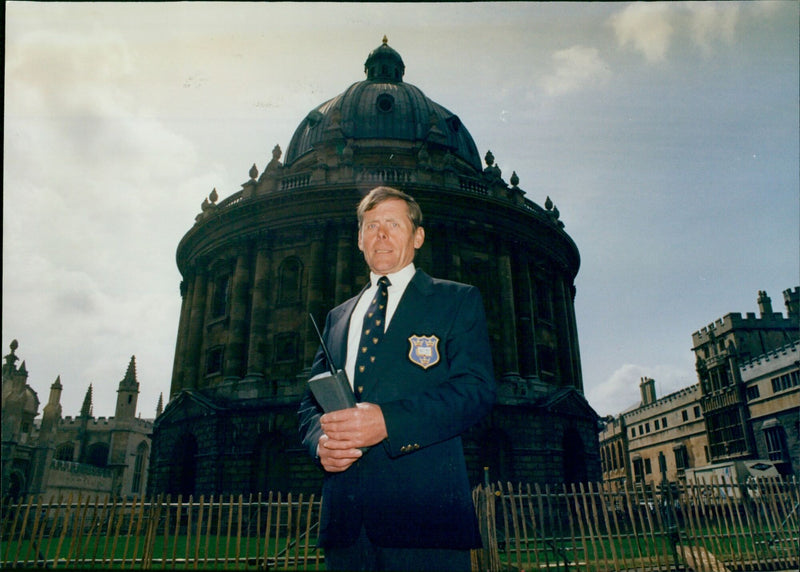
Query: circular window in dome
385, 102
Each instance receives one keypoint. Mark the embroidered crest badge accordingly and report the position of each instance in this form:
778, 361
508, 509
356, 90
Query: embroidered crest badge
424, 351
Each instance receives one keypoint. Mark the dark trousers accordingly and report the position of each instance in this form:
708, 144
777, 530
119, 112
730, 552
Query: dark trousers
364, 556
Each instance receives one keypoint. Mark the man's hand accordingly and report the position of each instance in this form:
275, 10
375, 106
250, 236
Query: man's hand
345, 431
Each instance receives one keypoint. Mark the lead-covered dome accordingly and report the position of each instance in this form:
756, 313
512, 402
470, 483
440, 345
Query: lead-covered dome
383, 107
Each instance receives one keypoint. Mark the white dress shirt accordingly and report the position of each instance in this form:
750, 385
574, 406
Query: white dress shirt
399, 280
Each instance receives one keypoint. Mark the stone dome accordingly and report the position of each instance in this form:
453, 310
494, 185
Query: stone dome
383, 107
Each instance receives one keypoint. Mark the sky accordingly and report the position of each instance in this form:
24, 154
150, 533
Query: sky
665, 133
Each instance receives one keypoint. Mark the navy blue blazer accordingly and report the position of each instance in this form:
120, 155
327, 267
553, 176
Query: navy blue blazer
433, 379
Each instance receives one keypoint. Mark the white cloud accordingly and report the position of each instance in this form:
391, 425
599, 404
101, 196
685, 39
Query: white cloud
53, 73
712, 21
575, 67
621, 390
650, 28
647, 27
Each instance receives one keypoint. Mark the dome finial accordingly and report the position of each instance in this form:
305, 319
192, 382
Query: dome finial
384, 64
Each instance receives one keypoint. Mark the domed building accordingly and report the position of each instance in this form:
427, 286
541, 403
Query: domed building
257, 263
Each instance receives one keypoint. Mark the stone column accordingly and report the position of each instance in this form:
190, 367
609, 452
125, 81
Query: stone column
436, 238
257, 352
187, 293
314, 297
575, 351
454, 252
508, 312
344, 272
191, 363
566, 362
525, 325
235, 358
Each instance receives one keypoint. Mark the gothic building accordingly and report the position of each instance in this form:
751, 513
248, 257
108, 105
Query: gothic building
256, 264
744, 407
58, 456
721, 349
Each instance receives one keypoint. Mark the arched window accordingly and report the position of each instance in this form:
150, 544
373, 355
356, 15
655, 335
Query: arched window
65, 452
289, 281
139, 467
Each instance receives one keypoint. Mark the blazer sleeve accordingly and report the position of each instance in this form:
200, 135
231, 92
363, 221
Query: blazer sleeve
452, 406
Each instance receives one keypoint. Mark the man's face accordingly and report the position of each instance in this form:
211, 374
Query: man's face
387, 237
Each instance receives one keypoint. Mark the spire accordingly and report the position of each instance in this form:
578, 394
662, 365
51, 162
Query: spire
86, 408
160, 406
128, 393
130, 381
51, 414
55, 392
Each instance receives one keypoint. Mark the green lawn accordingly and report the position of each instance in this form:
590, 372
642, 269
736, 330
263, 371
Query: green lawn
210, 553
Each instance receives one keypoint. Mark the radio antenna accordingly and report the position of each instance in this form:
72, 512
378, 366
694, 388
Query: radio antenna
324, 347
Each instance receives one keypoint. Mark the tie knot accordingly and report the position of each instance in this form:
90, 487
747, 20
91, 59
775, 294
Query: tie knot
383, 282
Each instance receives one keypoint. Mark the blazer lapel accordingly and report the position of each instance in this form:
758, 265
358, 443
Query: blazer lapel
410, 303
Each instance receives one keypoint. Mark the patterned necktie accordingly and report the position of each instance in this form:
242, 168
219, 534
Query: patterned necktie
374, 325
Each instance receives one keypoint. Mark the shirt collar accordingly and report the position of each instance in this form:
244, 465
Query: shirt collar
399, 279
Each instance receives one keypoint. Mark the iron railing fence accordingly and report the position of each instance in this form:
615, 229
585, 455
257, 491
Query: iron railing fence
712, 527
